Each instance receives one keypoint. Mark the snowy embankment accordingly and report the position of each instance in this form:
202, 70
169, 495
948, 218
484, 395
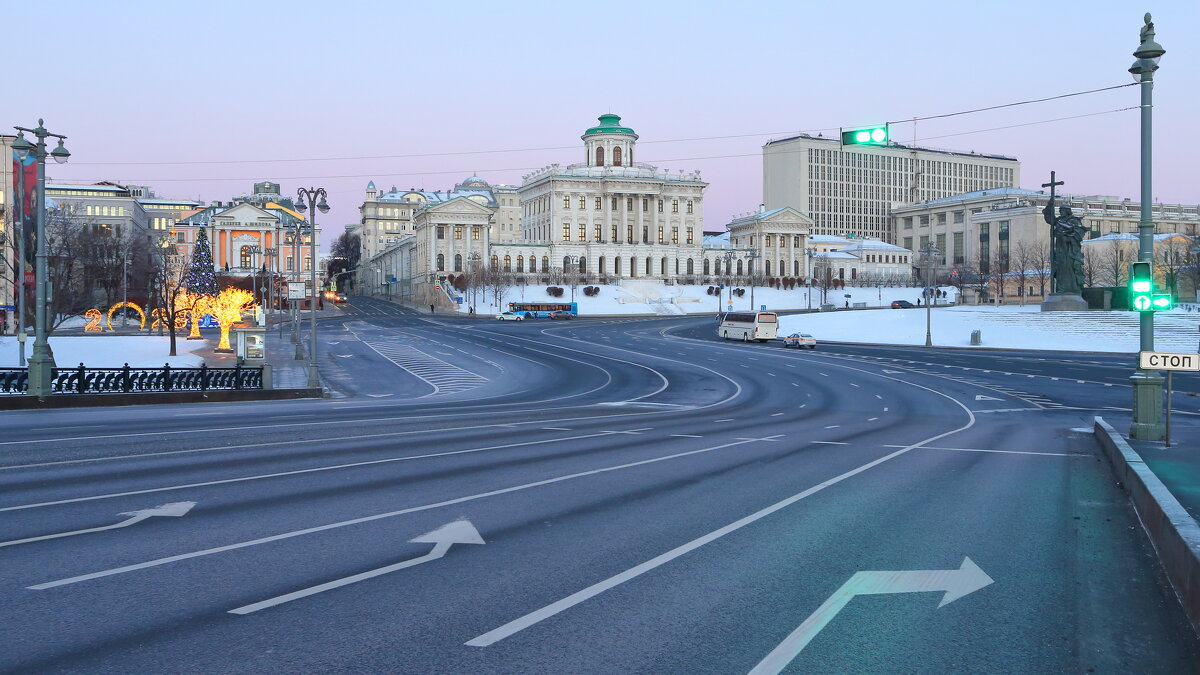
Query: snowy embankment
105, 351
633, 296
1009, 327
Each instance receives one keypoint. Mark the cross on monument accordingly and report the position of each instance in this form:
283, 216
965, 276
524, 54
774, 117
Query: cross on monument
1051, 185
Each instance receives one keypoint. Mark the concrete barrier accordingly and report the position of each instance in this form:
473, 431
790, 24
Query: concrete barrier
1172, 530
18, 402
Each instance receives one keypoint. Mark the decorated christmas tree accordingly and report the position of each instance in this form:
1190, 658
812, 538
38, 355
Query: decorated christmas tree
202, 276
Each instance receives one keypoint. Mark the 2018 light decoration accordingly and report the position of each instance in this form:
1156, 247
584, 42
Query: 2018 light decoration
93, 317
119, 305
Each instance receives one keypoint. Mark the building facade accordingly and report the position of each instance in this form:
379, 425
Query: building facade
853, 189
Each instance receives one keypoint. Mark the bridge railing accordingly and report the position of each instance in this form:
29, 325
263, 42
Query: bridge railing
84, 380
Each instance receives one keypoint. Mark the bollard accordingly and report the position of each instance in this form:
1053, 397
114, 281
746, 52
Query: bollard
976, 338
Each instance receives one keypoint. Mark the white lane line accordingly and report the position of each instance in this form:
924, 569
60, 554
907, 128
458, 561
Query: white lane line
724, 420
539, 615
872, 419
802, 405
197, 414
556, 429
833, 426
795, 385
767, 438
853, 385
878, 397
380, 516
687, 436
830, 442
297, 472
885, 410
776, 414
823, 374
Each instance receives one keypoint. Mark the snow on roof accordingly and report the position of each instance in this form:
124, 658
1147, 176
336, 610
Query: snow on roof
837, 255
828, 239
978, 194
1129, 236
874, 245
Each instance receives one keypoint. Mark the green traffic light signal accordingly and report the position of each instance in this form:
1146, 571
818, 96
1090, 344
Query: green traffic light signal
867, 136
1141, 287
1162, 302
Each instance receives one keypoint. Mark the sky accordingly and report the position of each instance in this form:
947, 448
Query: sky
200, 100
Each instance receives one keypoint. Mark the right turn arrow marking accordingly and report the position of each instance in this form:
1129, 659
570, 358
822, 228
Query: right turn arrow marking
175, 509
968, 578
457, 532
981, 397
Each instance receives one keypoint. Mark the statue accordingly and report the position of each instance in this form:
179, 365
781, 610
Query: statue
1066, 236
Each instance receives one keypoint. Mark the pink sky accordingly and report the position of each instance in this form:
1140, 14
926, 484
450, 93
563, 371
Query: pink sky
173, 95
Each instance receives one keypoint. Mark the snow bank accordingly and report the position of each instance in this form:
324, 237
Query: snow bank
638, 296
1007, 326
105, 351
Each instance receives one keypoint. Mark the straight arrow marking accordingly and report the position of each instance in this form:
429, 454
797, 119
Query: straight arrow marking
968, 578
175, 509
457, 532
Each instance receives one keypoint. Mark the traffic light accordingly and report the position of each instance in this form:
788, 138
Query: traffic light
1162, 302
1141, 286
867, 136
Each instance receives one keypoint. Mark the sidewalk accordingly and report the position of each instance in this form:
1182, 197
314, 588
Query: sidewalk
287, 372
1178, 466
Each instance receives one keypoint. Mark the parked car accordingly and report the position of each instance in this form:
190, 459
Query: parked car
901, 304
510, 316
559, 314
800, 341
339, 297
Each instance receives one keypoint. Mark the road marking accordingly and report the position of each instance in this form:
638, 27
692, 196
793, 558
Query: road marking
967, 579
795, 384
458, 532
853, 385
833, 426
823, 374
776, 414
556, 429
391, 514
768, 438
175, 509
981, 397
1002, 452
830, 442
894, 372
878, 397
297, 472
872, 419
197, 414
687, 435
724, 420
539, 615
801, 405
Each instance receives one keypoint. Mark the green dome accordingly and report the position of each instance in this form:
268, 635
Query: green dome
610, 124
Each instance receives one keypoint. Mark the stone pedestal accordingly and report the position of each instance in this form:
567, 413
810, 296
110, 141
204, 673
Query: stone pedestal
1147, 423
1064, 303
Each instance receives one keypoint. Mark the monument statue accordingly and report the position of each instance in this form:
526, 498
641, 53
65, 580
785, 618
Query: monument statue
1066, 255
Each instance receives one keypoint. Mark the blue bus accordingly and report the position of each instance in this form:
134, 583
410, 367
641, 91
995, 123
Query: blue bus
542, 309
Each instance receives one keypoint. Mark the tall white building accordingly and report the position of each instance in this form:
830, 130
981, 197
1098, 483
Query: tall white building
853, 189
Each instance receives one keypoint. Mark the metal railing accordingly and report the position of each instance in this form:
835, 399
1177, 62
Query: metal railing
84, 380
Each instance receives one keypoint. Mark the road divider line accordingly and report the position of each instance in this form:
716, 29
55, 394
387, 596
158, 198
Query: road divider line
378, 516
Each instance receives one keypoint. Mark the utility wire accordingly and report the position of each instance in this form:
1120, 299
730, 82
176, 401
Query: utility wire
573, 147
534, 168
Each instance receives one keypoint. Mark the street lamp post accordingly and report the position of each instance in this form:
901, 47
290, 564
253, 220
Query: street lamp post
125, 292
751, 257
308, 201
41, 362
1147, 423
809, 253
928, 257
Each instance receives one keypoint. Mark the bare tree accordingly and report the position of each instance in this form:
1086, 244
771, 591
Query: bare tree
1171, 257
1023, 261
1114, 257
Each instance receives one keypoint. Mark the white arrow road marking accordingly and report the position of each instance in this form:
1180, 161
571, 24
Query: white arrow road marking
968, 578
893, 372
457, 532
379, 395
175, 509
981, 397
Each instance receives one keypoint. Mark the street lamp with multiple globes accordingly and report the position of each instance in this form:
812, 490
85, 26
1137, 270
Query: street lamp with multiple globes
929, 257
312, 200
1147, 423
41, 362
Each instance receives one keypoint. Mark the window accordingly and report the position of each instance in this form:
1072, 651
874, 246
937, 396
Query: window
649, 267
925, 219
441, 232
629, 234
689, 235
601, 267
598, 205
583, 202
457, 262
645, 205
660, 235
958, 217
495, 262
739, 268
508, 263
532, 264
567, 232
706, 267
475, 233
674, 235
458, 232
645, 234
291, 264
545, 263
751, 241
941, 219
566, 202
770, 240
614, 204
616, 159
617, 266
599, 156
596, 234
908, 243
660, 206
629, 203
441, 262
245, 256
689, 208
908, 222
613, 232
632, 266
583, 233
796, 267
662, 266
768, 267
674, 206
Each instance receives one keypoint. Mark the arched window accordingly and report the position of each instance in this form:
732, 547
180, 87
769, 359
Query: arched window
782, 268
599, 156
717, 267
457, 263
582, 265
649, 267
600, 267
532, 263
662, 267
853, 272
690, 267
632, 266
750, 268
566, 263
768, 264
495, 262
441, 263
245, 258
739, 268
520, 263
795, 268
617, 156
706, 267
617, 266
508, 263
545, 264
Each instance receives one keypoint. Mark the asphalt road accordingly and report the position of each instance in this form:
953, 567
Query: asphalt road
591, 496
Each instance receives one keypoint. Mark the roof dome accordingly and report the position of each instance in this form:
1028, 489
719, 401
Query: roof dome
610, 124
475, 181
371, 185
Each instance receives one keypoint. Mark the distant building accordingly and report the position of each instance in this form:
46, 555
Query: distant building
853, 189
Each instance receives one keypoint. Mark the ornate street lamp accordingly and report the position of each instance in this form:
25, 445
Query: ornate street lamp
312, 200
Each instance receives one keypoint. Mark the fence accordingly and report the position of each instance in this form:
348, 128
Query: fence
83, 380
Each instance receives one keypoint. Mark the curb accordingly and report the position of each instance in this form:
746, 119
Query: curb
20, 402
1172, 530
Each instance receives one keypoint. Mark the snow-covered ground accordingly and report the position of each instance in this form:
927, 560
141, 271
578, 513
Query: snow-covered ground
633, 296
1008, 326
108, 351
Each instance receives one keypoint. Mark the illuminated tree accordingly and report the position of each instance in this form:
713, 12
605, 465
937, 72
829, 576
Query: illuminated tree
202, 276
228, 306
193, 307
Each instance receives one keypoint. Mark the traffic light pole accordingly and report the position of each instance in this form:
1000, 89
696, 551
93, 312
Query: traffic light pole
1147, 423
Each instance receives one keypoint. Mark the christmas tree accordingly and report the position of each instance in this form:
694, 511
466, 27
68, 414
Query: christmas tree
202, 277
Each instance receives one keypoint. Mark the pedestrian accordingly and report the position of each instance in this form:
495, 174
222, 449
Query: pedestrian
431, 309
847, 304
918, 302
